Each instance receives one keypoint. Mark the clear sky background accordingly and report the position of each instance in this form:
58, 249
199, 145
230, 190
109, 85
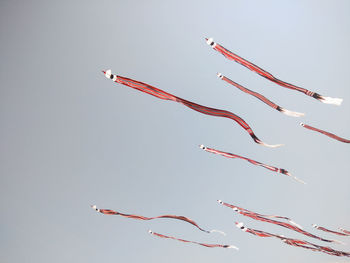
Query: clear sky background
71, 138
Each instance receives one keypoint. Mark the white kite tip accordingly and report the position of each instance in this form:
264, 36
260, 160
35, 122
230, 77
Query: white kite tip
108, 73
314, 225
292, 113
95, 208
220, 76
220, 202
301, 124
240, 225
202, 146
210, 42
150, 231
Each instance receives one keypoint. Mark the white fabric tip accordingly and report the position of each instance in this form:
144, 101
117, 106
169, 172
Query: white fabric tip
314, 225
150, 231
232, 246
218, 231
301, 124
202, 146
298, 180
108, 73
220, 202
338, 242
220, 76
292, 113
329, 100
270, 145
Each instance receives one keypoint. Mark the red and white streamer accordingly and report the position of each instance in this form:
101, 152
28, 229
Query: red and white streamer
232, 56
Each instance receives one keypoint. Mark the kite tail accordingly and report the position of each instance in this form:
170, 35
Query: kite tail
300, 181
291, 113
258, 141
232, 246
338, 242
217, 231
328, 100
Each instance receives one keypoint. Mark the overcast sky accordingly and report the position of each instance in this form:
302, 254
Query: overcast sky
71, 138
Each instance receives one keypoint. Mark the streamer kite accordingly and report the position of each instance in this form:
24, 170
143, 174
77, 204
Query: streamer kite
261, 97
333, 136
263, 218
231, 155
193, 242
329, 231
294, 242
182, 218
232, 56
167, 96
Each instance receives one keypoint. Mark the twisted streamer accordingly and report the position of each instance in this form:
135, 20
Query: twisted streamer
263, 218
261, 97
193, 242
232, 56
333, 136
329, 231
202, 109
231, 155
294, 242
182, 218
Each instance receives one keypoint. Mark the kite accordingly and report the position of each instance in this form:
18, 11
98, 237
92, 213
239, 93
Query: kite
329, 231
232, 56
325, 133
345, 231
188, 220
261, 97
294, 242
193, 242
167, 96
231, 155
263, 218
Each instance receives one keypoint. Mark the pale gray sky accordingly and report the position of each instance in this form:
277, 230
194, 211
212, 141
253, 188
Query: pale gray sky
71, 138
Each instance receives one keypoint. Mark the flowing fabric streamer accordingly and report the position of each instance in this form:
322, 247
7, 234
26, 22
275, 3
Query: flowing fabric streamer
232, 56
202, 109
333, 136
182, 218
193, 242
294, 242
231, 155
266, 219
261, 97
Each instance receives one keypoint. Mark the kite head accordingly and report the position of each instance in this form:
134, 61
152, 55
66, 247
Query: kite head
240, 225
95, 208
211, 42
302, 124
150, 231
220, 202
202, 147
109, 75
220, 76
314, 225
